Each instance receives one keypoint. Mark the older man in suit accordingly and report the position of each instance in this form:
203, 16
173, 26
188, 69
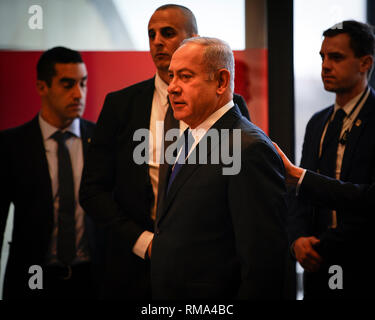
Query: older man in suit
218, 234
340, 143
119, 194
40, 171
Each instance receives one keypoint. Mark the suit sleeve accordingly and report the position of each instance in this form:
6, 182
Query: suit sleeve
336, 194
258, 209
98, 179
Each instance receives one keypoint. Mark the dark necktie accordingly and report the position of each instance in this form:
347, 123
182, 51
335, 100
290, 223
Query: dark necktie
186, 146
327, 161
66, 248
169, 123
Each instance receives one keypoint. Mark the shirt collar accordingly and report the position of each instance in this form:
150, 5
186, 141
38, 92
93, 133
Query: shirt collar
201, 130
48, 130
161, 89
350, 104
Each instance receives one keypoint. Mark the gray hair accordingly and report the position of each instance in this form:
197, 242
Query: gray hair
217, 55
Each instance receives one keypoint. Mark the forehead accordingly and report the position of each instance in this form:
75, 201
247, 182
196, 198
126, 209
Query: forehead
167, 18
339, 43
188, 56
70, 70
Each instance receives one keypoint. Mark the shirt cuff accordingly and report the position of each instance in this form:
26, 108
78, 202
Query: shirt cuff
300, 182
142, 244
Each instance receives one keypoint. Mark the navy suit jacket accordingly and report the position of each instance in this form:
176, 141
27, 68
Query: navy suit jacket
223, 236
358, 166
117, 193
25, 181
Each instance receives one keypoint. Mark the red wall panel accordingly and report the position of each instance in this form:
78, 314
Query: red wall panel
109, 71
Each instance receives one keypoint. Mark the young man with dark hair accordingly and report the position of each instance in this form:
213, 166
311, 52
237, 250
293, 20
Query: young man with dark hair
40, 172
339, 143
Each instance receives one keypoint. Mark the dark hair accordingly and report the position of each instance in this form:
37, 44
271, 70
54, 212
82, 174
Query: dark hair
362, 40
191, 23
45, 68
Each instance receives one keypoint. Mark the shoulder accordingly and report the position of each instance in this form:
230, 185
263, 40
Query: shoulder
21, 131
137, 97
132, 90
250, 133
122, 100
317, 116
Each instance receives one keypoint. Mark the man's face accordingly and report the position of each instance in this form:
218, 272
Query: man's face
166, 30
341, 70
192, 91
65, 98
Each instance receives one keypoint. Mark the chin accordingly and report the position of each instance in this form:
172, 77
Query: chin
331, 89
162, 64
75, 116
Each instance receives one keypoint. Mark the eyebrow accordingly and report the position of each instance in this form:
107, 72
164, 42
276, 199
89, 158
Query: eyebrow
66, 79
182, 70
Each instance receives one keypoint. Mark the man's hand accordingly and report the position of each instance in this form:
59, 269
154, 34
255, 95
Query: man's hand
293, 173
305, 253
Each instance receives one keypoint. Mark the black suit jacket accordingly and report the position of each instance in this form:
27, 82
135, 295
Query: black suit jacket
223, 236
358, 166
117, 193
25, 181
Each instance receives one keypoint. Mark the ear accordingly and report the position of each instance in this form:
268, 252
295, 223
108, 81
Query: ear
366, 63
223, 79
41, 87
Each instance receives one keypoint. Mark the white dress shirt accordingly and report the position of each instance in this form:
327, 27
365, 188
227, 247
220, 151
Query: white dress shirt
158, 112
74, 145
347, 125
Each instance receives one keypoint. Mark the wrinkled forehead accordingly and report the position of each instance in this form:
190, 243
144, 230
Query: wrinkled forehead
187, 55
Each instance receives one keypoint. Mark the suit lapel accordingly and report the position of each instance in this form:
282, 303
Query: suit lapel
355, 133
316, 140
141, 116
225, 122
38, 161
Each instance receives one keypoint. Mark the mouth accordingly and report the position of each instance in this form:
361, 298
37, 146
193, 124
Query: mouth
328, 78
178, 104
161, 55
75, 106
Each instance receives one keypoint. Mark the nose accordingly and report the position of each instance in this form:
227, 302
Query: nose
326, 65
173, 87
158, 39
79, 91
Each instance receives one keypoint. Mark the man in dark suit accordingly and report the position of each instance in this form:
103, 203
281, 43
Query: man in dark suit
218, 234
340, 143
40, 175
117, 193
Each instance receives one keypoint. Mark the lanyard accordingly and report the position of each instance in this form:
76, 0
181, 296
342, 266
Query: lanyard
345, 135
